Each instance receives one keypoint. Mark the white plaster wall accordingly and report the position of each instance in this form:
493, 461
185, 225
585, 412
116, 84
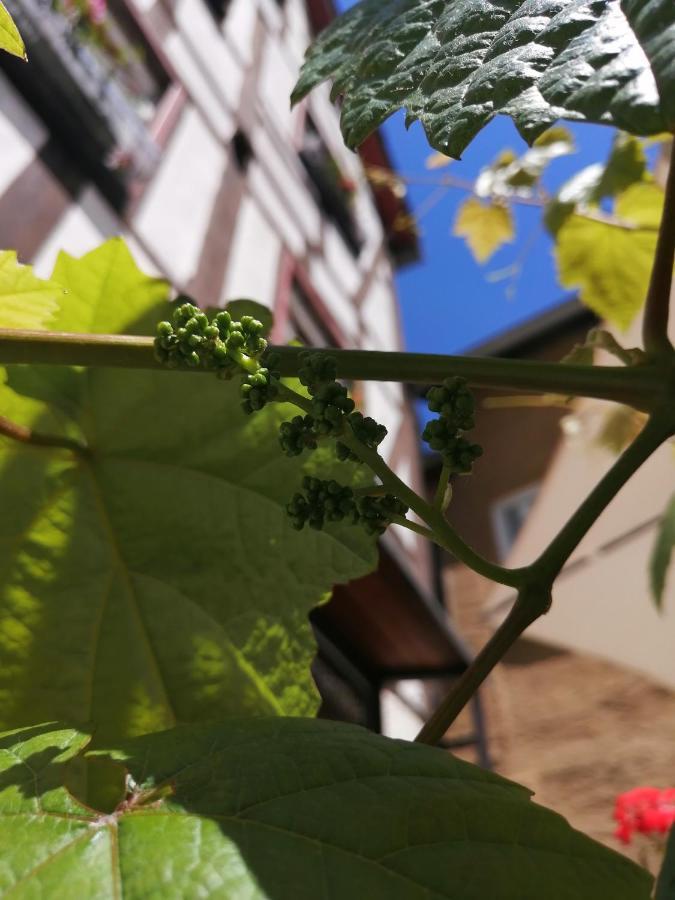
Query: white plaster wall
254, 257
342, 262
272, 202
212, 54
239, 27
277, 79
21, 134
174, 214
398, 720
75, 232
336, 300
280, 160
199, 87
380, 316
297, 29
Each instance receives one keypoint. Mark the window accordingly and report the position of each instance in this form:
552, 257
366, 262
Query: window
509, 515
334, 191
96, 82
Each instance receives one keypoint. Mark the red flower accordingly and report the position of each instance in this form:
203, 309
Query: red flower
644, 809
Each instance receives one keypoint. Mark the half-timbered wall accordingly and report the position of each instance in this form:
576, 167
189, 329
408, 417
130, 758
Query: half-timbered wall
228, 208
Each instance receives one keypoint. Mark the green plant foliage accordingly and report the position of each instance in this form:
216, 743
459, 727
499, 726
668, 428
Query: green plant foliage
25, 301
626, 165
665, 885
155, 579
10, 39
662, 553
511, 175
609, 263
455, 64
290, 810
485, 226
245, 307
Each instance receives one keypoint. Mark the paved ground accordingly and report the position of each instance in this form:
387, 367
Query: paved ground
576, 730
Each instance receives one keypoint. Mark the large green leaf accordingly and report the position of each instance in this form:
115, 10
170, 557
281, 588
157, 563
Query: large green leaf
665, 887
455, 64
608, 263
25, 300
155, 579
10, 39
662, 553
289, 809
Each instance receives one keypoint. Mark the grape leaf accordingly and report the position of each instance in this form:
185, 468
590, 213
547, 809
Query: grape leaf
486, 227
611, 265
627, 165
662, 553
455, 64
156, 579
665, 885
25, 300
10, 39
289, 809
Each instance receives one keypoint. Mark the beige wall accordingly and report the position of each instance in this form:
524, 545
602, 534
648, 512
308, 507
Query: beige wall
602, 603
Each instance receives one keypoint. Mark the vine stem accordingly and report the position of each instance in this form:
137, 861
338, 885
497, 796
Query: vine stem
442, 489
536, 580
530, 604
658, 428
25, 435
657, 305
635, 386
441, 531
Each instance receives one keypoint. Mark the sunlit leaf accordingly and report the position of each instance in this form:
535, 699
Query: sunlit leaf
609, 264
455, 64
270, 809
25, 300
512, 175
485, 227
10, 39
620, 426
156, 579
662, 553
627, 164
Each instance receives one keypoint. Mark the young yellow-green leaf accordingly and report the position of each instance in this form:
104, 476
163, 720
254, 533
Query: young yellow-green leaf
627, 165
158, 578
662, 553
290, 809
484, 226
455, 64
511, 175
609, 264
25, 300
10, 39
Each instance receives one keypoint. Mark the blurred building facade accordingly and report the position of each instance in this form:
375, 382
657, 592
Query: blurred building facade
168, 122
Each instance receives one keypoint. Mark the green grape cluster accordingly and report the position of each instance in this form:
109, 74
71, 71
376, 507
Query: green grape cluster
223, 344
331, 412
331, 405
322, 501
192, 340
454, 401
376, 513
298, 435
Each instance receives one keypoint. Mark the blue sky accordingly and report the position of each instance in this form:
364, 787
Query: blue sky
448, 305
